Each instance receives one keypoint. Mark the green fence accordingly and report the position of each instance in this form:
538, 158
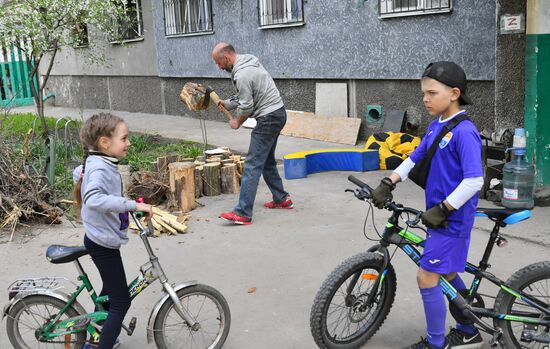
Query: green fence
15, 89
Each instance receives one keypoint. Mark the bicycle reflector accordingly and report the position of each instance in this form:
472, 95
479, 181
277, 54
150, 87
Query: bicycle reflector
368, 276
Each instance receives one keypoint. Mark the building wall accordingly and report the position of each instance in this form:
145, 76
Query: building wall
137, 58
340, 40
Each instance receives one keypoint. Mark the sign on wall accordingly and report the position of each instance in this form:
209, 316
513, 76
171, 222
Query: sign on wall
512, 24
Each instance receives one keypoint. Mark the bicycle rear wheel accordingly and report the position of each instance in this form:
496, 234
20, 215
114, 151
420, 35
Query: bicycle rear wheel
343, 320
29, 315
533, 280
203, 304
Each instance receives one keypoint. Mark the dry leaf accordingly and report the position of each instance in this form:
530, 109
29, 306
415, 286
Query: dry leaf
252, 290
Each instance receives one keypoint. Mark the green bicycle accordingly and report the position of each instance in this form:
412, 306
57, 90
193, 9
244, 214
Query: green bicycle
40, 315
355, 299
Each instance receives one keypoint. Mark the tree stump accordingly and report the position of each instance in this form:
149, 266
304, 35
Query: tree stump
211, 179
230, 179
182, 185
199, 174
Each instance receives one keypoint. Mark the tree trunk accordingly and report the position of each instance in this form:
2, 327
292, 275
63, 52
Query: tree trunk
212, 182
182, 185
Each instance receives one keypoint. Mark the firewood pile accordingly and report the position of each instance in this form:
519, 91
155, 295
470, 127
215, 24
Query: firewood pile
24, 196
165, 222
186, 179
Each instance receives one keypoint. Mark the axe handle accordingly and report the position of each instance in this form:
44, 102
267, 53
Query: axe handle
215, 98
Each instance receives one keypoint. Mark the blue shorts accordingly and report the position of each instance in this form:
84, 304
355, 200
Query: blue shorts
444, 254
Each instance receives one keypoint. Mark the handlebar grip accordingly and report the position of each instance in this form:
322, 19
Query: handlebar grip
140, 215
356, 181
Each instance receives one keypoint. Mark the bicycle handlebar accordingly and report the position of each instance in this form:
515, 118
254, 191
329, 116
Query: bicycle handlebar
366, 193
149, 230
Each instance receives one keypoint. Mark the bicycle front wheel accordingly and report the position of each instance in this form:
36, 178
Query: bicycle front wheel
341, 317
533, 280
31, 314
206, 306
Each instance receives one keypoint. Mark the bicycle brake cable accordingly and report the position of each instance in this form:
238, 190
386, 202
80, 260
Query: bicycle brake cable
365, 223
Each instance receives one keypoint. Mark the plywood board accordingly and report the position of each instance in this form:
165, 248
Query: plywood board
323, 128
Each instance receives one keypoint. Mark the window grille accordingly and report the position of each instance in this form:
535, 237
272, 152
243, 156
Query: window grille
187, 16
396, 8
280, 12
131, 26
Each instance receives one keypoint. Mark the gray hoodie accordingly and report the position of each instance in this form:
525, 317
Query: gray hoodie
104, 209
257, 94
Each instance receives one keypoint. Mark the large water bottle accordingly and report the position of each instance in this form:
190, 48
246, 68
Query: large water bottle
518, 176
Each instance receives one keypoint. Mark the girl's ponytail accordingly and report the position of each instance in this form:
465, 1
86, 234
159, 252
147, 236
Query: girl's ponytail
77, 195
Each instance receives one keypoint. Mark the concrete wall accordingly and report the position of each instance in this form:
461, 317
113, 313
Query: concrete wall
340, 40
137, 58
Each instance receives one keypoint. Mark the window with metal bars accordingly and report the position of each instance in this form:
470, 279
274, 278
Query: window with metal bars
280, 12
187, 16
397, 8
130, 27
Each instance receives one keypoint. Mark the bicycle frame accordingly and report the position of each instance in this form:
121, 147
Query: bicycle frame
408, 242
150, 272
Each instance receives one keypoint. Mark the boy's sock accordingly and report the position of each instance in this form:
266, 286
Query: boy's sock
435, 310
459, 285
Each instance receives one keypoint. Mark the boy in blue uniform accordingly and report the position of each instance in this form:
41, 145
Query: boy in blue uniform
452, 185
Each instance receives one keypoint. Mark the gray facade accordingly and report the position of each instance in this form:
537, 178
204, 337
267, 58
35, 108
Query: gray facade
380, 60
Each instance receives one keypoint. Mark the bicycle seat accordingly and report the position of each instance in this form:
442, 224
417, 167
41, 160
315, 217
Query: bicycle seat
59, 254
505, 215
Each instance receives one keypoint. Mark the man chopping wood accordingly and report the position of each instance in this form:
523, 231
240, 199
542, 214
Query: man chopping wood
257, 97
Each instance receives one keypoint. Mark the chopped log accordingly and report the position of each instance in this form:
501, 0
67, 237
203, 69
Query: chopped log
182, 159
214, 159
236, 158
166, 226
240, 167
227, 161
230, 180
211, 179
199, 173
182, 185
162, 163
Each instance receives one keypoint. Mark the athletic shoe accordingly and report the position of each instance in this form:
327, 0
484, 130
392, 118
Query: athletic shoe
423, 344
235, 218
459, 339
286, 204
95, 345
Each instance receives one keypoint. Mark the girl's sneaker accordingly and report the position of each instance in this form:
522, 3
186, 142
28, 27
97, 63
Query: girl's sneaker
96, 345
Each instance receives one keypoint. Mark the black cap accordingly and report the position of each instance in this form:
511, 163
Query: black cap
450, 74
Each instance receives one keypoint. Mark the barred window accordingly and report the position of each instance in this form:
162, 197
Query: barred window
280, 12
396, 8
187, 16
130, 27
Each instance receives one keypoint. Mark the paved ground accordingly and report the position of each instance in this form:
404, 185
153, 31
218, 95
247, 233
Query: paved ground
285, 254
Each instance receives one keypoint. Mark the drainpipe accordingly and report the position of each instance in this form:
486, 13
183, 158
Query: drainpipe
537, 96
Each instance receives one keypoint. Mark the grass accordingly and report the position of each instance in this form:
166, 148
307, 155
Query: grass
144, 150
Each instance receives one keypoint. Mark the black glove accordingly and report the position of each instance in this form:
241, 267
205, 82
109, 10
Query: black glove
436, 217
382, 193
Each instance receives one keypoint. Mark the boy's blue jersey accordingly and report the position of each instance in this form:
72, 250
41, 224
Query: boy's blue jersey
457, 157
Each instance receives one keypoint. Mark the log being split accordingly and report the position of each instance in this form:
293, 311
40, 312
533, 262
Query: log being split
197, 97
182, 185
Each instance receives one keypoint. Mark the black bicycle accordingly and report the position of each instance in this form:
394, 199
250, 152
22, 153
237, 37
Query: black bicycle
355, 299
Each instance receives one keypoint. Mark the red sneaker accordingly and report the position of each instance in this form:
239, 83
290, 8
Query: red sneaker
235, 218
287, 204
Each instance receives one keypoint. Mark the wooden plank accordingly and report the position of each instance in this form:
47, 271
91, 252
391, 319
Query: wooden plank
324, 128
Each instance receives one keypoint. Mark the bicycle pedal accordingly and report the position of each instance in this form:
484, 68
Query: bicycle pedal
496, 338
131, 326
